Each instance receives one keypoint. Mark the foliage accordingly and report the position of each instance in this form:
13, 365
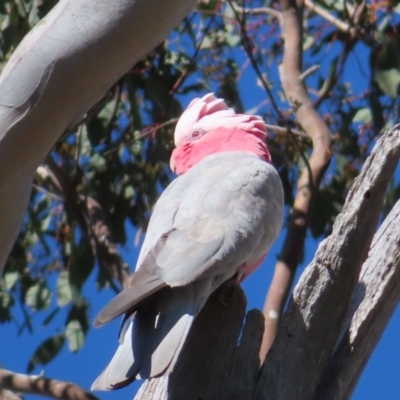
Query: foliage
108, 171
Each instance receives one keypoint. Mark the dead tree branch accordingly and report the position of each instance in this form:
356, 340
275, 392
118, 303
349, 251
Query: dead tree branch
314, 319
42, 386
374, 301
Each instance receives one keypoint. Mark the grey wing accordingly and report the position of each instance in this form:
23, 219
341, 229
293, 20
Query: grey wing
224, 212
229, 215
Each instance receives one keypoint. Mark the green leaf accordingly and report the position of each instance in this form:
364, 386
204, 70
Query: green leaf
210, 5
388, 81
6, 302
10, 278
82, 263
308, 42
64, 290
98, 163
46, 351
75, 335
233, 40
38, 296
77, 325
67, 291
129, 192
363, 115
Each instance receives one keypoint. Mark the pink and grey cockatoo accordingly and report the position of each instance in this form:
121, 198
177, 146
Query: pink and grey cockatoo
215, 222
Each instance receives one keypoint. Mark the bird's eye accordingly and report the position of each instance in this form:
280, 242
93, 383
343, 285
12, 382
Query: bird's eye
198, 133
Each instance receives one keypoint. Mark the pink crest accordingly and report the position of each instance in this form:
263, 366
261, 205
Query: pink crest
209, 126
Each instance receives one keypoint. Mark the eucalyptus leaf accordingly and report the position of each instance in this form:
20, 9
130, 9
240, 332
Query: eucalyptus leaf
46, 351
363, 115
75, 335
65, 290
11, 278
389, 81
38, 296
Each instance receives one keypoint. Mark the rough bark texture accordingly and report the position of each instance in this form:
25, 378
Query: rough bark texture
312, 323
374, 301
321, 338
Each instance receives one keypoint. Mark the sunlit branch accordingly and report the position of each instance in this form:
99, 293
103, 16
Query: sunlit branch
258, 11
343, 26
309, 71
39, 385
316, 129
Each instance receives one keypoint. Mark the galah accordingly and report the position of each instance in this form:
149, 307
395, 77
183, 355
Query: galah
213, 223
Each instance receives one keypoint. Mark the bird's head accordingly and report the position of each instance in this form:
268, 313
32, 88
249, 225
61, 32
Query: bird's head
209, 126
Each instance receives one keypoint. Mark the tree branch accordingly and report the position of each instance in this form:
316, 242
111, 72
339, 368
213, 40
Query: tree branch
343, 26
42, 386
8, 395
314, 126
374, 301
257, 11
310, 328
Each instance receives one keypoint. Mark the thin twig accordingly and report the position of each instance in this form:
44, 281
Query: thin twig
279, 129
248, 46
142, 134
304, 75
257, 11
192, 60
343, 26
